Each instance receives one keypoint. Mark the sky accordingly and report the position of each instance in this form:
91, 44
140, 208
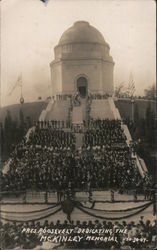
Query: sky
30, 30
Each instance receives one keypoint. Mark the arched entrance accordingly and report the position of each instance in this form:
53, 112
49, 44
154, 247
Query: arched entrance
82, 86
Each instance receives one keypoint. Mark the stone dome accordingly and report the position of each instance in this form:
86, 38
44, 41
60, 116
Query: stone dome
82, 32
82, 62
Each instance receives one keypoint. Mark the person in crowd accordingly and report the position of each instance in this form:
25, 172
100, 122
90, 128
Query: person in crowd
112, 195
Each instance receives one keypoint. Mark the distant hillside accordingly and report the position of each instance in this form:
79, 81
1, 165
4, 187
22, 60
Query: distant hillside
33, 109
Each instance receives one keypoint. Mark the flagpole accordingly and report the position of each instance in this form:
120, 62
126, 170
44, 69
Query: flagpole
21, 87
132, 90
21, 98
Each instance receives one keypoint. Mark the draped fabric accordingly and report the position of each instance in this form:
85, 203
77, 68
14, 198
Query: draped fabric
31, 215
26, 216
114, 214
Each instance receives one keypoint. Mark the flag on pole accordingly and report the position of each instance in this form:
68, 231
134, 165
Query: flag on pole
17, 84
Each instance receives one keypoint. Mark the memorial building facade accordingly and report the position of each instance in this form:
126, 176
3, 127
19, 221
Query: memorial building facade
82, 62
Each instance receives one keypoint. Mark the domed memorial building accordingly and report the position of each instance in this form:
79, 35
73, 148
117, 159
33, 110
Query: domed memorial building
82, 69
82, 62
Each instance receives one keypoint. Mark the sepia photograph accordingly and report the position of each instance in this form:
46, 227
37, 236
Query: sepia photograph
78, 122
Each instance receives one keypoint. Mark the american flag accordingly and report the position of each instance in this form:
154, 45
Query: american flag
18, 83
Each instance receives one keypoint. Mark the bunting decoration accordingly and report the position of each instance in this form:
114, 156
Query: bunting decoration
34, 216
114, 214
67, 207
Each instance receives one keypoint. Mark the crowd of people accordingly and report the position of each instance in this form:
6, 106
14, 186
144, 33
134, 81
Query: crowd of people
106, 141
104, 132
98, 96
52, 138
40, 163
92, 96
53, 124
138, 234
49, 160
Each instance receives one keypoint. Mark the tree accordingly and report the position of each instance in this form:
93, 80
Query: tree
15, 129
126, 91
21, 124
8, 131
8, 121
130, 91
150, 92
119, 89
28, 122
1, 138
136, 114
150, 125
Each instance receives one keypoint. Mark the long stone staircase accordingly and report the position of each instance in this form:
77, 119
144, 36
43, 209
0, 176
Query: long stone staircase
114, 109
79, 112
77, 115
101, 109
83, 106
106, 109
79, 140
45, 111
59, 111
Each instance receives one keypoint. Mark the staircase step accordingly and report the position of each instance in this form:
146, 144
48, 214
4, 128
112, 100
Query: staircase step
77, 116
100, 109
79, 140
59, 111
79, 112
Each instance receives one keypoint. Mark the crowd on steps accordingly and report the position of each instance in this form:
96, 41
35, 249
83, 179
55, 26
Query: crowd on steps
90, 96
139, 234
50, 161
52, 124
104, 132
53, 138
